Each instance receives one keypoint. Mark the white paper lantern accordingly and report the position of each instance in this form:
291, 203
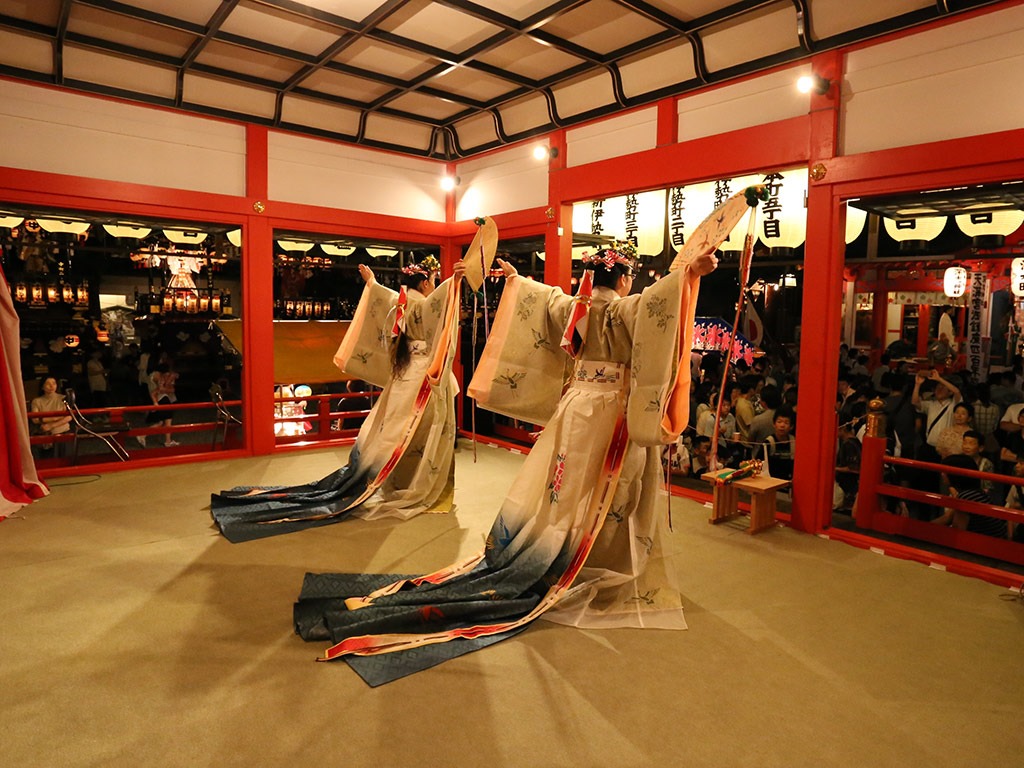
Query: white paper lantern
184, 237
10, 222
295, 245
1017, 276
57, 225
954, 282
920, 228
125, 230
640, 217
782, 220
235, 237
855, 218
376, 253
337, 250
990, 223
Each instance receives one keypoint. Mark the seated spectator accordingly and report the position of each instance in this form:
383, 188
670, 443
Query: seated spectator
951, 439
1004, 393
848, 464
675, 457
1015, 500
971, 448
50, 400
879, 377
744, 407
700, 455
761, 425
350, 404
781, 445
968, 489
730, 449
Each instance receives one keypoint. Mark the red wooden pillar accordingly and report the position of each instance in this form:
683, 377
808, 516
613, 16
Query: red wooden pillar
258, 298
825, 249
558, 233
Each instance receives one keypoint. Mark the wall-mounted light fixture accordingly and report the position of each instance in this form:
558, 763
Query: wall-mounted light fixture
540, 152
813, 82
448, 183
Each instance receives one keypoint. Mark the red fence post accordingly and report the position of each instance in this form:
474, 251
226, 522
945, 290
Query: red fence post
871, 457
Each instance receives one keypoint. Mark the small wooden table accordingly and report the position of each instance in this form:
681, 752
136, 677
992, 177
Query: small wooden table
725, 505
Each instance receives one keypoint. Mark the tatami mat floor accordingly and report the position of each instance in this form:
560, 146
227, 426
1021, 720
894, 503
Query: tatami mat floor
133, 634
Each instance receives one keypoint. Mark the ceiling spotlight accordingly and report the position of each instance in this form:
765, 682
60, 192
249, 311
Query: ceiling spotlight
448, 183
540, 152
813, 82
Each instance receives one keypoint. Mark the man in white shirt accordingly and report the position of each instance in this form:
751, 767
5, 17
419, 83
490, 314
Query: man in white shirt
938, 411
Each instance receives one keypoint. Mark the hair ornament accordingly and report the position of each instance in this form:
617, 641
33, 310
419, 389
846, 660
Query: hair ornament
620, 252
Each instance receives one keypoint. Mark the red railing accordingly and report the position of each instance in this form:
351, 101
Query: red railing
871, 514
322, 421
116, 418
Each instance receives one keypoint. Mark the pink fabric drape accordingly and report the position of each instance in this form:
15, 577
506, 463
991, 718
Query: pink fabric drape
19, 483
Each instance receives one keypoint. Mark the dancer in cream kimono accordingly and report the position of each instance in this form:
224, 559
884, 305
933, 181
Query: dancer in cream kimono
402, 460
578, 538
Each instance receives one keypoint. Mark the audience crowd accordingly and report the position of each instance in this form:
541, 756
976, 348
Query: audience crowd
933, 413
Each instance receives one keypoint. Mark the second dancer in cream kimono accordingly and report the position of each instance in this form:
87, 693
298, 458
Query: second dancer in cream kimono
577, 539
402, 461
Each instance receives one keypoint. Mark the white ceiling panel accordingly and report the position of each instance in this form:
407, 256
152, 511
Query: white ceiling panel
248, 62
320, 115
530, 58
280, 28
439, 26
417, 65
232, 97
834, 17
391, 130
602, 26
346, 86
657, 69
769, 30
124, 30
27, 52
192, 11
586, 93
526, 114
118, 72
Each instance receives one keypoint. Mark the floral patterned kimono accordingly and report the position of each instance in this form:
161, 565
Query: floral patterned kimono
402, 460
577, 540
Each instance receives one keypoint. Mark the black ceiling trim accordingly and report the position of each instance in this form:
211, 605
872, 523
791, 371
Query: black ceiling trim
212, 27
42, 30
803, 25
58, 43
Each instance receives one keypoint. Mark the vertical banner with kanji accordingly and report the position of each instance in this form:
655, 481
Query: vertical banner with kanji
976, 313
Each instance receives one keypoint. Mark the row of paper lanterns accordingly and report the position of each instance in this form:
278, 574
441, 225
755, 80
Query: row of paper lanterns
954, 281
185, 237
782, 221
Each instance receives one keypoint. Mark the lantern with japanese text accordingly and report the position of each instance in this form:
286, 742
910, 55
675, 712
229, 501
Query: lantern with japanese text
783, 220
1017, 277
954, 282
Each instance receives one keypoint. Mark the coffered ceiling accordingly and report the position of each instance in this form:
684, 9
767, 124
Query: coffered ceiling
433, 78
